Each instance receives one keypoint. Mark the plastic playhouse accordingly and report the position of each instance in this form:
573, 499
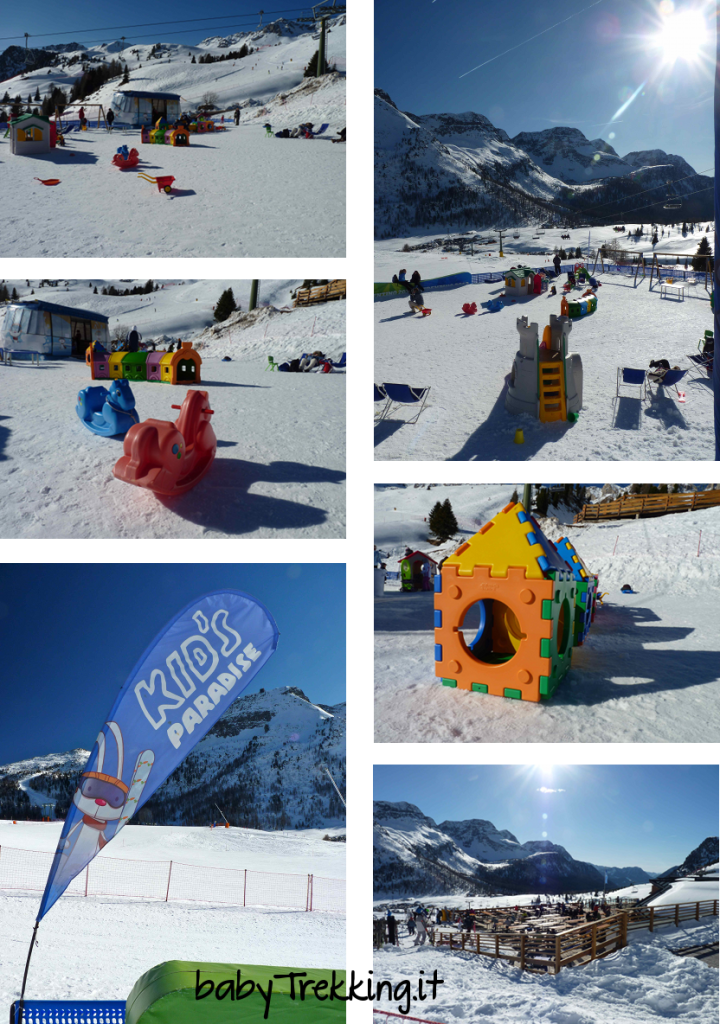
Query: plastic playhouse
170, 458
180, 367
585, 591
527, 599
546, 380
165, 134
524, 281
30, 135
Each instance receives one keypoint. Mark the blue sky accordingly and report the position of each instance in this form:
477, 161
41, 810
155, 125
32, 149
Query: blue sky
79, 21
71, 634
648, 816
578, 74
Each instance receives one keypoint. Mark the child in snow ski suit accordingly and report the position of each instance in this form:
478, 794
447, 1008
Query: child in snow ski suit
416, 300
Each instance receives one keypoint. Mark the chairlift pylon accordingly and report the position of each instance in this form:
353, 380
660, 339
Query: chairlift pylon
672, 201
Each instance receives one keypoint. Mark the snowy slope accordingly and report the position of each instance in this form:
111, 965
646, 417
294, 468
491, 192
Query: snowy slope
234, 192
135, 934
462, 422
648, 671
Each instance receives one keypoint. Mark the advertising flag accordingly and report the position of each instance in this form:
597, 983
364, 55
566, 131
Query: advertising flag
189, 675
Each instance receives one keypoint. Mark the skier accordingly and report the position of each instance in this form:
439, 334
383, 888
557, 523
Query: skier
421, 929
236, 116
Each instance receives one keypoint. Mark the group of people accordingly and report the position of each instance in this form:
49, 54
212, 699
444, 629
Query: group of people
303, 131
307, 363
419, 918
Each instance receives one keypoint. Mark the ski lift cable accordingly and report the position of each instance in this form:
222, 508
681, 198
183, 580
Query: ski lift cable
614, 202
593, 210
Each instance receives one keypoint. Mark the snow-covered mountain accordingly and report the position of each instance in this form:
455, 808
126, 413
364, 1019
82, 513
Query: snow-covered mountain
413, 856
435, 171
261, 763
702, 856
267, 81
619, 878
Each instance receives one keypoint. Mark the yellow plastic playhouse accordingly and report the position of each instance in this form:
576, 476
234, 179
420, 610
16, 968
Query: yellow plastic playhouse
504, 611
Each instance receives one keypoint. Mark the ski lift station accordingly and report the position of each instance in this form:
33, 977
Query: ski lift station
50, 330
136, 108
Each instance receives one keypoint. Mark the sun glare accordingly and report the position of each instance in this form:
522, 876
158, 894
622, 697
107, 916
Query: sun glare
682, 37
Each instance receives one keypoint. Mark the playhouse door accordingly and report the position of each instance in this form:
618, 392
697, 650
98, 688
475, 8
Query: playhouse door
81, 331
186, 370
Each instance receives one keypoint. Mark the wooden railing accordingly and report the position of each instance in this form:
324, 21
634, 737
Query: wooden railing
321, 293
648, 504
542, 951
587, 942
674, 914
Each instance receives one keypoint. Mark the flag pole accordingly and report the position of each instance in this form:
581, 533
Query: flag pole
27, 967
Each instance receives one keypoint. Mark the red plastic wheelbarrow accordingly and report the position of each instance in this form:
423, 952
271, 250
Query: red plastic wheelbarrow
164, 182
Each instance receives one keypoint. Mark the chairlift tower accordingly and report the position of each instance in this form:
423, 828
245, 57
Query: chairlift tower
672, 201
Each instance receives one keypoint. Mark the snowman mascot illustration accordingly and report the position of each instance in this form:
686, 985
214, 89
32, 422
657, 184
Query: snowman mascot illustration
104, 799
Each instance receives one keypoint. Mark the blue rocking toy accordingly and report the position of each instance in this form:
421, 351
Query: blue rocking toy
108, 412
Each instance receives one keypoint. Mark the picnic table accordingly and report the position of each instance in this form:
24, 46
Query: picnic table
673, 289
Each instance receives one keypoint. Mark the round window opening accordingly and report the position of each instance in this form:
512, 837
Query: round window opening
563, 628
490, 632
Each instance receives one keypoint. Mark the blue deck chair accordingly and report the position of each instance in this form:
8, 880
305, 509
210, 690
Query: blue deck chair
381, 396
628, 377
671, 379
403, 394
321, 130
340, 363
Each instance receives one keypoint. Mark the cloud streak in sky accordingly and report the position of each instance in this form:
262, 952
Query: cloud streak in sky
517, 45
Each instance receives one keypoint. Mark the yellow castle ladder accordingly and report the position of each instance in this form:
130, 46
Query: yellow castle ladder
551, 382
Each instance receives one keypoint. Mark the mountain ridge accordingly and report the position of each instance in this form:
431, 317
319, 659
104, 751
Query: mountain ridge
261, 763
441, 171
415, 856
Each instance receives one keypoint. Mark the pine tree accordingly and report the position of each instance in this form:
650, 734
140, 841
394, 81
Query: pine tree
514, 498
655, 238
435, 519
193, 61
699, 262
542, 501
95, 291
14, 294
562, 254
578, 253
225, 305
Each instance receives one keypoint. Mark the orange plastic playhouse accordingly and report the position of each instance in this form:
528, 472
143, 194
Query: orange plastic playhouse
504, 611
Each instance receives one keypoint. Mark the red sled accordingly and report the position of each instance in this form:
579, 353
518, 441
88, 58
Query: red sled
426, 311
170, 458
469, 308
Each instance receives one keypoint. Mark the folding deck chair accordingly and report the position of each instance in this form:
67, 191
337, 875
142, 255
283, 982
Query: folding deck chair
671, 379
403, 394
321, 131
628, 377
340, 364
381, 396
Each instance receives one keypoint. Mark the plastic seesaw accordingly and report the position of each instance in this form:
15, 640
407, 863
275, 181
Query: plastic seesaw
107, 413
124, 158
170, 458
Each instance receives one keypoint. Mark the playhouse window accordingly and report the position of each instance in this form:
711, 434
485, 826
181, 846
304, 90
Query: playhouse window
490, 632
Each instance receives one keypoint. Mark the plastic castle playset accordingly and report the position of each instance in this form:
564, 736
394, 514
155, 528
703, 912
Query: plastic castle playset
536, 601
546, 380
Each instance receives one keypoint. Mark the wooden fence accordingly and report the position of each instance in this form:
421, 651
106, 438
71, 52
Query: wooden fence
648, 505
542, 951
675, 913
321, 293
550, 952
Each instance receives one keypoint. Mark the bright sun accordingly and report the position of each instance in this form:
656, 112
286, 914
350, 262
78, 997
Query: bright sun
682, 37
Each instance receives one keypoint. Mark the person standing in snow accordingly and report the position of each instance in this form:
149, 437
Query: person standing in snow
392, 930
410, 923
425, 569
421, 929
132, 342
110, 118
236, 116
556, 263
